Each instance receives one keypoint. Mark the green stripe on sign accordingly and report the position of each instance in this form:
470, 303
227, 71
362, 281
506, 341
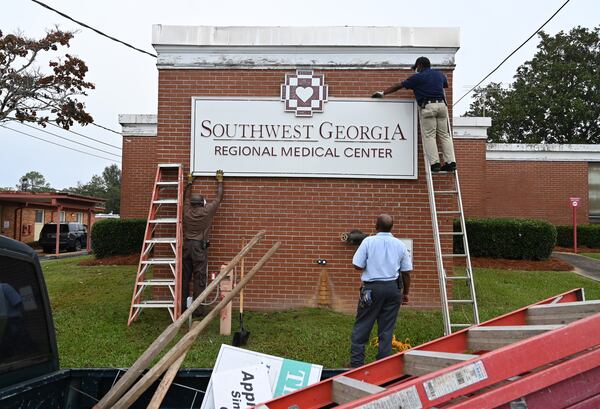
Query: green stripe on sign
294, 375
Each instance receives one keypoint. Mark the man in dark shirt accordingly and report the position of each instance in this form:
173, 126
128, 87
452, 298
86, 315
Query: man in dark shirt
428, 86
197, 219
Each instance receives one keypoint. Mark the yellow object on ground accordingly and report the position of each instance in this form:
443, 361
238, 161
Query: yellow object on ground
396, 344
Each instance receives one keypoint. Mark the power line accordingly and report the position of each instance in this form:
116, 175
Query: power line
511, 54
72, 141
93, 29
86, 137
105, 128
57, 144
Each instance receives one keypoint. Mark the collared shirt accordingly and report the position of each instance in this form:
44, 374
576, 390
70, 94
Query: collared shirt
198, 219
382, 257
427, 85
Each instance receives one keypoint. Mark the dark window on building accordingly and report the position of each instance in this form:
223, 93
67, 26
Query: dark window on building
594, 192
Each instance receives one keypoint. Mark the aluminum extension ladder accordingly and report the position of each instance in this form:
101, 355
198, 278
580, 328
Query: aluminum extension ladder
451, 192
544, 356
163, 237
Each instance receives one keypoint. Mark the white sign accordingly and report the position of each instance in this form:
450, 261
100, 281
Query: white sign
285, 375
241, 388
6, 224
574, 201
351, 138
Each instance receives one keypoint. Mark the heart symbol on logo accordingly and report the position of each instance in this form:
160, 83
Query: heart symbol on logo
304, 93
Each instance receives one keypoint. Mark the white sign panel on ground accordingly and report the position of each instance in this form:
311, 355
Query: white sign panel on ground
351, 138
285, 375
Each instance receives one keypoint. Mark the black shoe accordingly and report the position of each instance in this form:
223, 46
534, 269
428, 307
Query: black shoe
448, 167
435, 167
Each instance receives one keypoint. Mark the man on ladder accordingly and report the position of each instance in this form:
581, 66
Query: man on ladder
428, 86
197, 220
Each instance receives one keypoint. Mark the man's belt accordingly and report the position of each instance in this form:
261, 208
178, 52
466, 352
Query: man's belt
423, 103
204, 244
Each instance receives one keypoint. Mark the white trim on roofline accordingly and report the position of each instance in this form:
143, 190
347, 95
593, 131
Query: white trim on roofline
138, 124
314, 47
543, 152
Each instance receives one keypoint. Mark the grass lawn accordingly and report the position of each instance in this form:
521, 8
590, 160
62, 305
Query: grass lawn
592, 255
90, 307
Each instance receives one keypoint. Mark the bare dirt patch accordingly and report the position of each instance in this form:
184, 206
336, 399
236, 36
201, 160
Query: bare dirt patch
552, 264
112, 261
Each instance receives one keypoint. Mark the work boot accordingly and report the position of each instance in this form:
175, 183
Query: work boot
435, 167
448, 167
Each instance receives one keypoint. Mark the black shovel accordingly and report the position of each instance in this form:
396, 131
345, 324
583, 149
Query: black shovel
241, 337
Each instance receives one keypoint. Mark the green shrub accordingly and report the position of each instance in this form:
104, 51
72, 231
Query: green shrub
588, 235
112, 237
519, 239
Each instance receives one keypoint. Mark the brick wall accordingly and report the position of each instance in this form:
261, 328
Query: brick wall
137, 175
536, 189
306, 214
471, 163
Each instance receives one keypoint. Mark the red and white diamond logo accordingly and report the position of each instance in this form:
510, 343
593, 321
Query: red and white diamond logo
304, 93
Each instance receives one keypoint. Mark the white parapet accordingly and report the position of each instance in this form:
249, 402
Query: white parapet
284, 47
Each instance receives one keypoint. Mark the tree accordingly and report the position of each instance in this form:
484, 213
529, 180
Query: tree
29, 95
554, 98
34, 181
107, 186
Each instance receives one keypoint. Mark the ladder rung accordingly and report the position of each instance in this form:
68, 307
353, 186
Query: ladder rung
449, 212
166, 240
454, 255
460, 301
457, 277
446, 192
165, 183
156, 281
169, 165
155, 304
165, 220
165, 201
461, 325
159, 261
453, 233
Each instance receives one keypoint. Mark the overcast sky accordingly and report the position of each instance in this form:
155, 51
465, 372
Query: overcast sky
126, 80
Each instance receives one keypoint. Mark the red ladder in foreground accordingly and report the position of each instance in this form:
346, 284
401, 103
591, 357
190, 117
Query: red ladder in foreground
517, 356
163, 236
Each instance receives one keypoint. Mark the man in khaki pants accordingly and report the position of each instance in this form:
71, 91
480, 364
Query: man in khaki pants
428, 86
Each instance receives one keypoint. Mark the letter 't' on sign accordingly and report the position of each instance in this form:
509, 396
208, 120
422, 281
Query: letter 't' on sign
304, 93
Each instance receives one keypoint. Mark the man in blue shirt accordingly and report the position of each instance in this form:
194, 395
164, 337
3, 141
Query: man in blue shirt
428, 86
386, 265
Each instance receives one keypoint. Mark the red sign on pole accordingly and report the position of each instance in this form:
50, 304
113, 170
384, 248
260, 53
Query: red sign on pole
574, 204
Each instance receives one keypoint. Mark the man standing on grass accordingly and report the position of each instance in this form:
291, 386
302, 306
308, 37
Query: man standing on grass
386, 264
197, 220
428, 86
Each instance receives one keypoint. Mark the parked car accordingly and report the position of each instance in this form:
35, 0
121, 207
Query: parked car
73, 236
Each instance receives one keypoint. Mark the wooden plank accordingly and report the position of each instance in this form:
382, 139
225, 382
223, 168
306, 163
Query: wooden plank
418, 362
187, 340
167, 379
493, 337
346, 389
169, 333
563, 313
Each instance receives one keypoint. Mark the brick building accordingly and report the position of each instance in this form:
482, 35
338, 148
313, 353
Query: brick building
247, 66
23, 214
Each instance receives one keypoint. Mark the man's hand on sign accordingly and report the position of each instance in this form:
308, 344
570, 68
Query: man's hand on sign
190, 178
378, 94
219, 175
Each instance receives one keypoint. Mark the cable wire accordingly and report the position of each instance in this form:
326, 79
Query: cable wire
511, 54
57, 144
106, 129
70, 140
86, 137
93, 29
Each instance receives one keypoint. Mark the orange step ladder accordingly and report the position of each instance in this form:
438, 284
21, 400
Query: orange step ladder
546, 355
163, 237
